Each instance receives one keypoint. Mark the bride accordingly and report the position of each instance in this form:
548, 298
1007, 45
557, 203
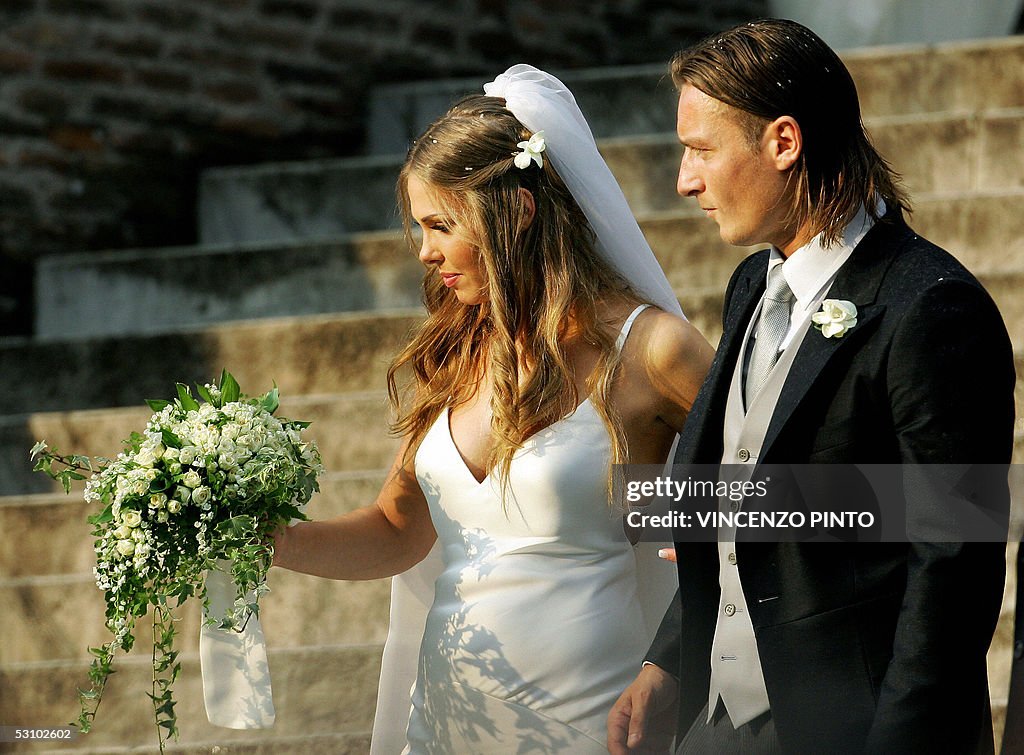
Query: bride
541, 364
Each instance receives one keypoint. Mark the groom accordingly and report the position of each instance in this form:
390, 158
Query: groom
818, 647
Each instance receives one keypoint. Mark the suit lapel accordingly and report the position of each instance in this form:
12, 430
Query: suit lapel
704, 428
858, 281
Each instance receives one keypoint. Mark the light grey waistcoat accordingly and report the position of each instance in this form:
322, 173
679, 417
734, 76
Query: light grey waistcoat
735, 665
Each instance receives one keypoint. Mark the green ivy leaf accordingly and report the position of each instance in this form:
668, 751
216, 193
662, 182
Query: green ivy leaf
44, 465
229, 388
204, 394
84, 462
103, 517
170, 439
271, 400
188, 403
157, 404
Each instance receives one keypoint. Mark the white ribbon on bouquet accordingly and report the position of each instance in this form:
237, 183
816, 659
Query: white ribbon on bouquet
236, 676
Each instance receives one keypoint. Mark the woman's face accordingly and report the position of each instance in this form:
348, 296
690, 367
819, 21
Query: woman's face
454, 259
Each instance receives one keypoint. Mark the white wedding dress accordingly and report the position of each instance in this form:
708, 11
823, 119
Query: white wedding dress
542, 610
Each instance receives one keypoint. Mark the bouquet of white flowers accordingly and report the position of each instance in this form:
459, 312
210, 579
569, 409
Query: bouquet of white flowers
205, 482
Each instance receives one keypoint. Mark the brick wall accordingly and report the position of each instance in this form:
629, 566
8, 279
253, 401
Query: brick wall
110, 108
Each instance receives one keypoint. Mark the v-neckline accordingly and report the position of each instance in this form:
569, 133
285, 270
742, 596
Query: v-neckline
624, 330
462, 459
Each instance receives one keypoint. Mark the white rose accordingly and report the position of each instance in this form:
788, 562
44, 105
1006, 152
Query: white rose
201, 495
126, 547
182, 493
192, 479
170, 454
187, 455
132, 519
173, 506
145, 457
157, 501
835, 317
161, 516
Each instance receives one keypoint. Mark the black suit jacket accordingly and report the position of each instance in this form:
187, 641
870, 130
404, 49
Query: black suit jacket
876, 647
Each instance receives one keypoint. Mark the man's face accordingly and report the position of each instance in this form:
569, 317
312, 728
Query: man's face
736, 183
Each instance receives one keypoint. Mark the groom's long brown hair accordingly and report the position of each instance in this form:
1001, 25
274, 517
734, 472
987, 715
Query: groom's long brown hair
769, 68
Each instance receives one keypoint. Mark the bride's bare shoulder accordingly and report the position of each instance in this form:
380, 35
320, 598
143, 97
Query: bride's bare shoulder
667, 341
672, 356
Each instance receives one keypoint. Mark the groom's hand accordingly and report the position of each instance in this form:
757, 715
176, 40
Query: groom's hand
643, 719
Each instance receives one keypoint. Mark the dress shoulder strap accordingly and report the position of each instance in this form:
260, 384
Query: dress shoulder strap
627, 326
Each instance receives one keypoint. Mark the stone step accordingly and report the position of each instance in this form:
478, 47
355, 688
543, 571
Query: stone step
343, 352
156, 290
60, 617
311, 200
323, 354
984, 228
312, 744
323, 691
54, 537
99, 432
53, 609
351, 430
48, 682
640, 99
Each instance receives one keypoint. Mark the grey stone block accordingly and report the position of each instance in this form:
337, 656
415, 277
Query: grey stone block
317, 690
324, 354
156, 290
948, 151
640, 99
966, 75
318, 200
61, 616
617, 101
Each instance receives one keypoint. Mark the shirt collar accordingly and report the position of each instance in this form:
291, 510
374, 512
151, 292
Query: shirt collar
810, 269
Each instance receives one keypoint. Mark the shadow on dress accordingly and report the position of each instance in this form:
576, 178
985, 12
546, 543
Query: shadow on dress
456, 716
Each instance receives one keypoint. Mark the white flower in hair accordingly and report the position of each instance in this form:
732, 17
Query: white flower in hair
531, 151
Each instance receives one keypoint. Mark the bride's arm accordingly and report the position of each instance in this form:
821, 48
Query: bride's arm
380, 540
676, 361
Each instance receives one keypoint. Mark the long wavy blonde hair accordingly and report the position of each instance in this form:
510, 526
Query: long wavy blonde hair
544, 282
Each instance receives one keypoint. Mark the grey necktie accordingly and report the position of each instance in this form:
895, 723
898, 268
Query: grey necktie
771, 329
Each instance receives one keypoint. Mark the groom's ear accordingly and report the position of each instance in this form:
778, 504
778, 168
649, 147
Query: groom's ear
529, 206
785, 142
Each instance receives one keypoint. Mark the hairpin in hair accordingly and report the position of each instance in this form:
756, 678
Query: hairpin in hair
531, 151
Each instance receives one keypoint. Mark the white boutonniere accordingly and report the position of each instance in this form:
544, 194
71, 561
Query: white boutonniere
531, 151
835, 317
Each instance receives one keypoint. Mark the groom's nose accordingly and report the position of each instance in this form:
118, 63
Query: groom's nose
688, 183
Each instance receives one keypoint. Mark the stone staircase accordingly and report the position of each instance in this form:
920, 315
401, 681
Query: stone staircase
302, 278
